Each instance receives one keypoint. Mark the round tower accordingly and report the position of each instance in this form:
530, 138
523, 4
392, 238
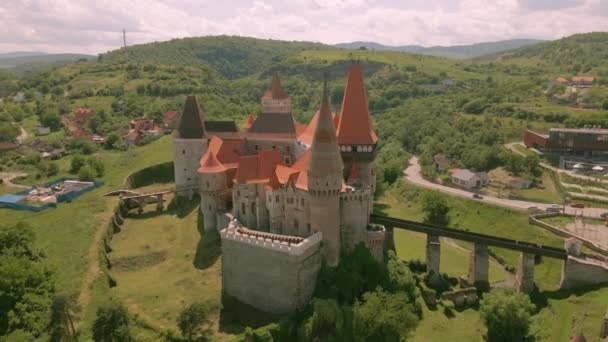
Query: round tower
212, 176
189, 145
325, 182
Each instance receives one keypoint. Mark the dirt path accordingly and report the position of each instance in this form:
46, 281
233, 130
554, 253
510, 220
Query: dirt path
93, 270
7, 178
24, 135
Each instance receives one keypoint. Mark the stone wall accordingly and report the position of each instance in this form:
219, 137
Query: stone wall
536, 219
582, 272
187, 154
271, 275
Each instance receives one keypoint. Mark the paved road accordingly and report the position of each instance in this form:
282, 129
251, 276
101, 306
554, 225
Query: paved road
414, 175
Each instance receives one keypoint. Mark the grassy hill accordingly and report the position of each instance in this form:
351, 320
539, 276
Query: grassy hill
22, 63
455, 51
233, 57
580, 53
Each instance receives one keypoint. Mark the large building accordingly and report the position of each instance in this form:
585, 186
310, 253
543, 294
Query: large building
283, 195
573, 140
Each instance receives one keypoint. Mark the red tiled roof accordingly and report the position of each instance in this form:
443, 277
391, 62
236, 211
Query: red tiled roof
300, 128
170, 116
142, 124
249, 122
257, 168
132, 136
226, 151
273, 182
210, 164
582, 79
561, 80
307, 135
5, 146
355, 126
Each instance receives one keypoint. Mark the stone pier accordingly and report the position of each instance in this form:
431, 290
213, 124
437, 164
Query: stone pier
433, 253
524, 280
479, 264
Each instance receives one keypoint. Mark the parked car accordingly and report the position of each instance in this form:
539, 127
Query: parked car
478, 196
604, 215
577, 205
554, 208
533, 208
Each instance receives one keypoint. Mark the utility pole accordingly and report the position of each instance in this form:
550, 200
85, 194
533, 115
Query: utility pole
124, 38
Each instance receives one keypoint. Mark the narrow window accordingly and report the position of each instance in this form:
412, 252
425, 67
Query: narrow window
183, 151
243, 208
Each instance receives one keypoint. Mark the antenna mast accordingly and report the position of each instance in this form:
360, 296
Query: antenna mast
124, 38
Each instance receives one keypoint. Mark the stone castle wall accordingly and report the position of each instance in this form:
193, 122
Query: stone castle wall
582, 272
187, 154
272, 275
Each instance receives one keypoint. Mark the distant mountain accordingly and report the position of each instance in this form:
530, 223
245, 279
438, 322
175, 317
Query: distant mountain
21, 54
579, 53
456, 51
231, 56
21, 62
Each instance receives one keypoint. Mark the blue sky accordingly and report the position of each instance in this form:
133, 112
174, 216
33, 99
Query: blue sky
94, 26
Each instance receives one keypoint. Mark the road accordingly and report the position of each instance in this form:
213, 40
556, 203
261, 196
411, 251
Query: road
24, 135
7, 177
413, 174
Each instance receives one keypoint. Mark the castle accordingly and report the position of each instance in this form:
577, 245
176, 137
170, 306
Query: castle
283, 195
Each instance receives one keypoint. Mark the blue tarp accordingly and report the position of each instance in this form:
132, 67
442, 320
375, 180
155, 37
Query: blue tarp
10, 198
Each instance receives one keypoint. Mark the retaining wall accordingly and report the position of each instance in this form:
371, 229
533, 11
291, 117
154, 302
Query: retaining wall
534, 219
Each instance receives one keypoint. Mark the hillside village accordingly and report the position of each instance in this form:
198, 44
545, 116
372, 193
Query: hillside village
368, 181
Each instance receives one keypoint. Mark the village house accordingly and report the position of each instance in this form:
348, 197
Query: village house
468, 179
582, 80
43, 130
141, 128
442, 162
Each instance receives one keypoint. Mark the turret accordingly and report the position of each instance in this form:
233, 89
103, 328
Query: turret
212, 185
355, 133
325, 182
275, 100
189, 145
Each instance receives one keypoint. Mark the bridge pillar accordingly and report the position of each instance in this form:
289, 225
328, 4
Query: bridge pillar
433, 253
479, 264
389, 238
524, 280
160, 202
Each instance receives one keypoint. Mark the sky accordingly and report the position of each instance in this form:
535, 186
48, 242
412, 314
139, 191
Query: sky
95, 26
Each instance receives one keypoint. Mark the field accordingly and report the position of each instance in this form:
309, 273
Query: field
161, 263
545, 192
560, 312
68, 233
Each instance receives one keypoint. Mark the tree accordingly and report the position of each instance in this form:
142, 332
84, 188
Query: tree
8, 132
62, 324
506, 314
193, 318
97, 165
383, 316
112, 324
26, 283
86, 174
112, 141
51, 119
77, 163
326, 323
435, 208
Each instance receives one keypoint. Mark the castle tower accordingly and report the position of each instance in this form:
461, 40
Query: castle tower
325, 182
189, 145
212, 185
275, 100
355, 133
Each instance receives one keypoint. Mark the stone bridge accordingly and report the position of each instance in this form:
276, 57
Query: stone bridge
573, 258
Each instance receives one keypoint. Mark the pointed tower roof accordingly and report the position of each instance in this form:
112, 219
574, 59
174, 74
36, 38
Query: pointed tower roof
277, 89
191, 121
355, 126
325, 156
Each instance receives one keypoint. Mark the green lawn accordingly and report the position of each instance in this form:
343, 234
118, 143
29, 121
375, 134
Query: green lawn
545, 192
66, 232
558, 309
521, 148
162, 263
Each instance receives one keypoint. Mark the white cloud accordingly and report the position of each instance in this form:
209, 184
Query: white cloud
94, 26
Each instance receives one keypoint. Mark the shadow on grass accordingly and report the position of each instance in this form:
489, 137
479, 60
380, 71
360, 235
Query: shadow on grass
209, 248
179, 206
541, 299
235, 316
380, 209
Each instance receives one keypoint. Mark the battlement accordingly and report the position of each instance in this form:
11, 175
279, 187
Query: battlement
355, 194
291, 245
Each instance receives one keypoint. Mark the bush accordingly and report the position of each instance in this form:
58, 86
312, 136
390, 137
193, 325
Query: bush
506, 314
192, 320
86, 174
77, 163
112, 324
